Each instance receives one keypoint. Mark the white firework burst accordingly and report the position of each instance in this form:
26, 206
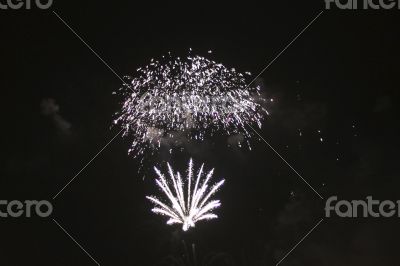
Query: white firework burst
188, 202
193, 96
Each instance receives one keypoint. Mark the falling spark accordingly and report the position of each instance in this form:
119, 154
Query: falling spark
188, 202
192, 97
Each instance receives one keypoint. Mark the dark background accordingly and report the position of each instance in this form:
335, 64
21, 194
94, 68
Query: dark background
341, 77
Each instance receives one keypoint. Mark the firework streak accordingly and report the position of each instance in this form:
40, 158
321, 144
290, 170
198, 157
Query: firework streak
188, 202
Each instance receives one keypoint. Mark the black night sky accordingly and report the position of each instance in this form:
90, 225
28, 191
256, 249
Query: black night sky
333, 119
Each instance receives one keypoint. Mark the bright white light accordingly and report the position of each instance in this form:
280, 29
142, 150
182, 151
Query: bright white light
189, 200
192, 96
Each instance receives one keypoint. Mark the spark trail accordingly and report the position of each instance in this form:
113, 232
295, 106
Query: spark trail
189, 201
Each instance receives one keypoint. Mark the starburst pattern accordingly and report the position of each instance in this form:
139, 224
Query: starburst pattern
193, 96
188, 202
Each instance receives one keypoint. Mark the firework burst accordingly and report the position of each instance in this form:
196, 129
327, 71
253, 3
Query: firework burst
194, 97
188, 202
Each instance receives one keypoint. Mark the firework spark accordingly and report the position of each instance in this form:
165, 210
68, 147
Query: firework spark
194, 97
189, 202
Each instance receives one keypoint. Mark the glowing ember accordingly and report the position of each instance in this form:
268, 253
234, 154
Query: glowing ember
194, 97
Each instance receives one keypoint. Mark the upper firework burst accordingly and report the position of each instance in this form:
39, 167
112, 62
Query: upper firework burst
193, 96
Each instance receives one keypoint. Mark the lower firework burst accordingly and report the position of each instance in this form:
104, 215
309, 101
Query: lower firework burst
189, 201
